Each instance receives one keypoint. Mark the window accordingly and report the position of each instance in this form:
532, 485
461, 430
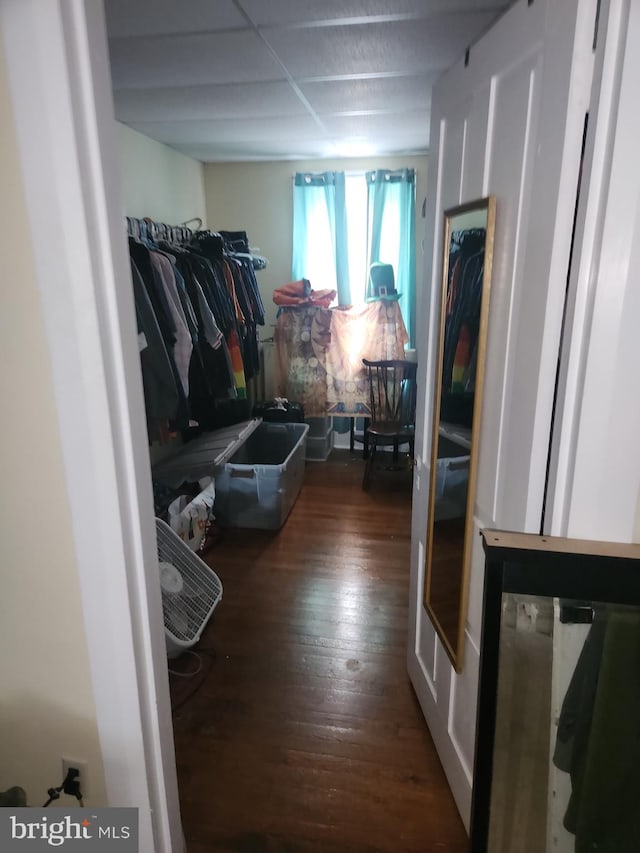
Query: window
342, 223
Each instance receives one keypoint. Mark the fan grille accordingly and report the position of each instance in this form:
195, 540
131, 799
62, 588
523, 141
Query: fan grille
186, 612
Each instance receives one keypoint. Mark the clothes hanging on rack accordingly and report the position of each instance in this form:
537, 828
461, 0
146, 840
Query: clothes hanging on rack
197, 308
160, 392
237, 244
465, 271
227, 252
462, 317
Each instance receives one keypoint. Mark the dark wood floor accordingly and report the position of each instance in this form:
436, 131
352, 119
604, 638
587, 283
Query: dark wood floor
304, 733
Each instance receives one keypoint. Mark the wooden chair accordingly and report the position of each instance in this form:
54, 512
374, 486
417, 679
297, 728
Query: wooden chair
392, 400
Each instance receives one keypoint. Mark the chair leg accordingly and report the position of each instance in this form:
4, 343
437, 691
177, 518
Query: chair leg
352, 431
368, 468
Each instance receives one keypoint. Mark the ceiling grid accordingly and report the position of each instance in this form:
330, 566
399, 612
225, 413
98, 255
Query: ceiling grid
225, 80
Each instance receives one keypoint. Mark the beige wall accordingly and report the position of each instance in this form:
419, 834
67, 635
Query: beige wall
258, 198
46, 701
159, 182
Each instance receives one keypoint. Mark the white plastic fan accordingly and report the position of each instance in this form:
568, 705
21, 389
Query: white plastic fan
190, 590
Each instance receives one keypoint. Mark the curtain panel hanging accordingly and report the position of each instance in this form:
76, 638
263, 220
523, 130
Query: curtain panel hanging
320, 219
391, 203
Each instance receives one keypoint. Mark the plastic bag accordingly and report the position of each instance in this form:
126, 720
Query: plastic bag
189, 516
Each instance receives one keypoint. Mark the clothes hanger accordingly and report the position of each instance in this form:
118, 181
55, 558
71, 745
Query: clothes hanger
193, 219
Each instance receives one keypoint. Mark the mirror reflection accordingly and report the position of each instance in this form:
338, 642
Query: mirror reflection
468, 245
567, 737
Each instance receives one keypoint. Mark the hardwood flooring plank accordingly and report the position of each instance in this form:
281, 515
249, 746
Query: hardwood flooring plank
303, 734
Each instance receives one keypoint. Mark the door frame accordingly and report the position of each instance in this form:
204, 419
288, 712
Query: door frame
59, 77
594, 316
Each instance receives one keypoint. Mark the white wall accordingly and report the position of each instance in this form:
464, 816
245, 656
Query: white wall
159, 182
47, 707
258, 198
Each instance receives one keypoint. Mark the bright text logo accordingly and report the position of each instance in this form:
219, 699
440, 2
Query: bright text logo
36, 830
54, 832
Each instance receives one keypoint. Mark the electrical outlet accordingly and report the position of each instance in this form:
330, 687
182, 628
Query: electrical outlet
83, 768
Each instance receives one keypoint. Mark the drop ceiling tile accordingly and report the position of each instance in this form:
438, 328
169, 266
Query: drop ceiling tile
281, 149
235, 57
228, 131
376, 93
195, 76
283, 12
389, 143
182, 103
157, 17
409, 47
372, 126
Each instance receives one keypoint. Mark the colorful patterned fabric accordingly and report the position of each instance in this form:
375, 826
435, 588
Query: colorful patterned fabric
319, 354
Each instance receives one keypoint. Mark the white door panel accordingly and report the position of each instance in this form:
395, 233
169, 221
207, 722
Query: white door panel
510, 125
462, 709
453, 141
475, 149
426, 651
509, 180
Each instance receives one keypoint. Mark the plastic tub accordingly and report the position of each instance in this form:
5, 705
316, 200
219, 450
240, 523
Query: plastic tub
259, 484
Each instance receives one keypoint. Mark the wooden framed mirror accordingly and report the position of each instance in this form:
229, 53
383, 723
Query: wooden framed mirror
466, 278
557, 745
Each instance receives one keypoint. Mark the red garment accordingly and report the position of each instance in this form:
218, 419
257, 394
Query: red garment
294, 293
323, 298
300, 293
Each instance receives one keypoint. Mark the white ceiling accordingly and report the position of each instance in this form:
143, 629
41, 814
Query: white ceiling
225, 80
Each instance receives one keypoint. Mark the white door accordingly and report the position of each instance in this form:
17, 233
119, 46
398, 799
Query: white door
508, 122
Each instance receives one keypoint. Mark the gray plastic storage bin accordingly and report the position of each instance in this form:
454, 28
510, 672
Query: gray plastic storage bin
259, 484
318, 427
319, 447
202, 456
452, 484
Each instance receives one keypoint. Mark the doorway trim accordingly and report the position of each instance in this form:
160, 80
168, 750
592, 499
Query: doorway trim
59, 77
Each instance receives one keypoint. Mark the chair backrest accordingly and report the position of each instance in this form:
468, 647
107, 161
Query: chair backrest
392, 391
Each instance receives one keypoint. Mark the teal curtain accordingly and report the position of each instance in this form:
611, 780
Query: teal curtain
391, 215
320, 232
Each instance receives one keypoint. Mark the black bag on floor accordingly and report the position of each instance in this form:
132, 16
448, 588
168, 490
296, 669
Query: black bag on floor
279, 411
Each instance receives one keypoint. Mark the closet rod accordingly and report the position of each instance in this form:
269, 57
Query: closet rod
147, 227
